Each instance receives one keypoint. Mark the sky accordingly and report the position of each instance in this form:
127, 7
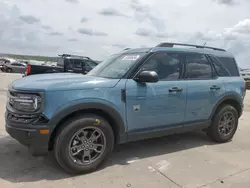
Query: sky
100, 28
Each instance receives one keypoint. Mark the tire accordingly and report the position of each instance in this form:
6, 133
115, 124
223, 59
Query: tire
63, 143
9, 70
215, 133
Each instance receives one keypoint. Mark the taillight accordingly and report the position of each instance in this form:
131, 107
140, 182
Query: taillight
28, 70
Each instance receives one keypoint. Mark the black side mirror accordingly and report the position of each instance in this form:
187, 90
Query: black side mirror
147, 76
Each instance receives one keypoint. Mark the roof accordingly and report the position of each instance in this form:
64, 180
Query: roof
188, 48
196, 50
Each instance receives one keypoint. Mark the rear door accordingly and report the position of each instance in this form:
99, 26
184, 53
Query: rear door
204, 88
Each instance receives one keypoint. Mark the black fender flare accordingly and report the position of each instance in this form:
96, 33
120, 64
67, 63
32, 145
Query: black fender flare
223, 99
119, 124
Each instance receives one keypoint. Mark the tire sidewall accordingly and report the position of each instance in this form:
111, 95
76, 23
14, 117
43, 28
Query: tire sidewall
64, 138
221, 112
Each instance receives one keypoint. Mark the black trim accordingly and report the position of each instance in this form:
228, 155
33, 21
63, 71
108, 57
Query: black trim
123, 95
118, 121
228, 97
169, 130
30, 137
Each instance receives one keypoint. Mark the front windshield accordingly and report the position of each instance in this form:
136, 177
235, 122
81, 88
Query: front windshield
92, 64
116, 66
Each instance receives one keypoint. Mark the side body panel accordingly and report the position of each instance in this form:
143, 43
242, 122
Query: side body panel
151, 105
201, 98
59, 104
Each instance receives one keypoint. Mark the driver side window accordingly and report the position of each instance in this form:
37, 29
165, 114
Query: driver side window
166, 65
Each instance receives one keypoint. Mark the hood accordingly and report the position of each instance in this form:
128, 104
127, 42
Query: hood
62, 81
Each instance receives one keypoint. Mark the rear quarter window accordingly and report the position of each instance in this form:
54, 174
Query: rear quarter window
225, 66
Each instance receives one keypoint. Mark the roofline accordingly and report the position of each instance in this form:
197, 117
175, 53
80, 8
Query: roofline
168, 44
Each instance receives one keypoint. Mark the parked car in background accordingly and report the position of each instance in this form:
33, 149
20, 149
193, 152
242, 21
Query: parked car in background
3, 61
245, 73
15, 67
133, 95
65, 63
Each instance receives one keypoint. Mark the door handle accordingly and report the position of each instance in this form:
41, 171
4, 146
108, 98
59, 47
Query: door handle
175, 89
214, 87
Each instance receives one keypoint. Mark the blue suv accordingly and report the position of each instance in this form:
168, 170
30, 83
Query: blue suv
133, 95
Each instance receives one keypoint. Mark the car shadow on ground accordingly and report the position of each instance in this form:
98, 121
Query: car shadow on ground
17, 165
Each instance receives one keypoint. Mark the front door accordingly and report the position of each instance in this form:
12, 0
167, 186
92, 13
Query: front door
152, 106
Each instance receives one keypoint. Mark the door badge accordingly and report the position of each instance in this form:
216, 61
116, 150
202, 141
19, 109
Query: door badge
136, 108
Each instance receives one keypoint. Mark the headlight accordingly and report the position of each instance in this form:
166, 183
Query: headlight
25, 102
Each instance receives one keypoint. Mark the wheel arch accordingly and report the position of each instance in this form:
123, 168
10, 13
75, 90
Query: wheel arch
233, 100
107, 112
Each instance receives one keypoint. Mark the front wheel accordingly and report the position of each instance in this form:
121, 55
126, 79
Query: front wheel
224, 124
84, 144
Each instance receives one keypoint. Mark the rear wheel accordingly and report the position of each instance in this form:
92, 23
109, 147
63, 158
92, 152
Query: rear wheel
84, 144
224, 124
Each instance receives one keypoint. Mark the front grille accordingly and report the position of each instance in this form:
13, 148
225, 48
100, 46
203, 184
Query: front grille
18, 109
27, 118
20, 118
24, 101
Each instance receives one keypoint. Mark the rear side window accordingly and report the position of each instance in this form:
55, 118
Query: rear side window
77, 63
198, 67
219, 68
226, 66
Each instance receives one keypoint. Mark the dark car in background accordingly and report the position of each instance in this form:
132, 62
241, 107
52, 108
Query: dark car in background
65, 63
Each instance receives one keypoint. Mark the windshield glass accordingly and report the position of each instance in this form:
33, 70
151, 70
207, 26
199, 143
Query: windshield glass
116, 65
92, 64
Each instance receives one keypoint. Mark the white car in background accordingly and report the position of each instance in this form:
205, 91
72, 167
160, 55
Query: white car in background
245, 73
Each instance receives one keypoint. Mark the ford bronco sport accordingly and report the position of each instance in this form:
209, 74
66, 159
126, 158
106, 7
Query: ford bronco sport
133, 95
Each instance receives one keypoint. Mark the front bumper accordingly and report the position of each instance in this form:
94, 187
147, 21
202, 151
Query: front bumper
30, 136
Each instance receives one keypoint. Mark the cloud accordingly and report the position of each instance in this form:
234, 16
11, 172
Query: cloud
84, 19
85, 31
72, 1
111, 12
139, 7
119, 46
29, 19
46, 27
72, 40
98, 33
161, 35
226, 2
143, 13
146, 24
143, 32
55, 33
241, 29
90, 32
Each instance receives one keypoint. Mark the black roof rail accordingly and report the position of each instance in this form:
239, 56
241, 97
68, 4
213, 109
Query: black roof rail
71, 55
167, 44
